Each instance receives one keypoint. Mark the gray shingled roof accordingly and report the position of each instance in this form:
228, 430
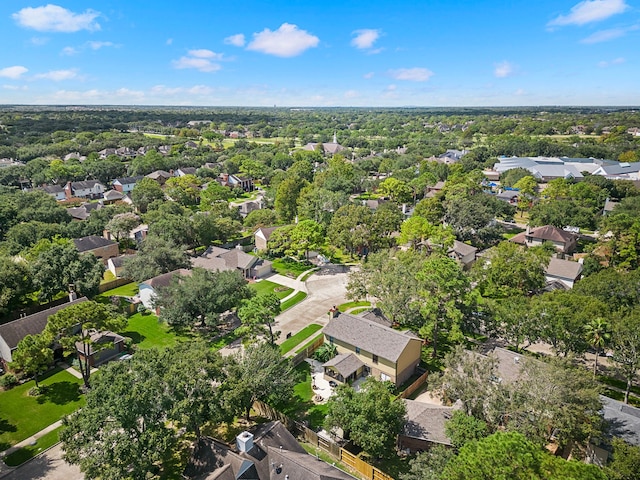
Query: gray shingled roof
91, 242
33, 324
369, 336
426, 422
462, 248
345, 364
238, 259
164, 280
99, 338
623, 420
298, 465
128, 180
84, 184
563, 268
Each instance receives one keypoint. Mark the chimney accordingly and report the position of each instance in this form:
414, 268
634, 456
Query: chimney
244, 442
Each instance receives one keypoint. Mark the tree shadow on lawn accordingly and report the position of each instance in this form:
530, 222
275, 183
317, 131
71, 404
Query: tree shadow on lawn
60, 393
6, 426
135, 337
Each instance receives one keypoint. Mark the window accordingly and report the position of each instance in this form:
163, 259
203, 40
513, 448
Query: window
375, 358
331, 340
358, 350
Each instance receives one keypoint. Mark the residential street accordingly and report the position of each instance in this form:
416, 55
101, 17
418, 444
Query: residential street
47, 466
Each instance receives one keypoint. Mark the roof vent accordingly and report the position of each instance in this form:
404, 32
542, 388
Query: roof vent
625, 164
244, 442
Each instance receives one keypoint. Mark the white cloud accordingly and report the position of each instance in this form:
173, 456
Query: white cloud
99, 45
69, 51
411, 74
15, 87
202, 64
589, 11
351, 94
53, 18
39, 41
368, 75
14, 72
200, 90
204, 53
606, 35
235, 40
615, 61
169, 41
503, 70
365, 38
287, 41
57, 75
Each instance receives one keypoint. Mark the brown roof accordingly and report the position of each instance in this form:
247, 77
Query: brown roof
266, 232
99, 338
370, 336
551, 233
462, 248
345, 364
33, 324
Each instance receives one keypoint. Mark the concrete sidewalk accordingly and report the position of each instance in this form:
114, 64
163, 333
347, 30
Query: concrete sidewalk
4, 469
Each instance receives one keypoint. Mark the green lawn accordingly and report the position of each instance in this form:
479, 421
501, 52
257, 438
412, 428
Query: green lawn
302, 335
359, 310
290, 267
297, 298
128, 290
265, 286
346, 306
224, 341
21, 415
300, 405
26, 453
147, 332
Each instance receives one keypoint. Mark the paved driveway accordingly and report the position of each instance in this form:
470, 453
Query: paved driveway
326, 287
47, 466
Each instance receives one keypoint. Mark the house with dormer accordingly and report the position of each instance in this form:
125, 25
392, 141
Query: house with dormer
91, 189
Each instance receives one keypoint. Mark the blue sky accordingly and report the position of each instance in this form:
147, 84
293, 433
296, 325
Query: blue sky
321, 53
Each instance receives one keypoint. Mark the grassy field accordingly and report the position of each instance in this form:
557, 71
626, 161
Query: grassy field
300, 405
264, 287
346, 306
147, 332
26, 453
21, 415
296, 299
128, 290
302, 335
290, 267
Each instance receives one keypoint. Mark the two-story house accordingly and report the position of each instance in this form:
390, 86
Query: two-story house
368, 348
565, 242
99, 246
84, 189
125, 184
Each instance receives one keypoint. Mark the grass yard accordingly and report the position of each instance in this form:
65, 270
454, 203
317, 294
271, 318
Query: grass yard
302, 335
297, 298
264, 287
290, 267
147, 332
128, 290
21, 415
359, 310
346, 306
223, 341
26, 453
300, 405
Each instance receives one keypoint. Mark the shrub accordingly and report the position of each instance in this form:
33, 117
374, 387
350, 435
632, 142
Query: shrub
9, 380
35, 391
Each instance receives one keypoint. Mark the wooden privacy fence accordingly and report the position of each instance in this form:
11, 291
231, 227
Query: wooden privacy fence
118, 282
349, 459
307, 352
415, 385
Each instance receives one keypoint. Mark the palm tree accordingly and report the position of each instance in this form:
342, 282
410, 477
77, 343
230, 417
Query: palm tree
598, 336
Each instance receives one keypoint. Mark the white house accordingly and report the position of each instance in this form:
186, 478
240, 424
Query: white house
148, 288
84, 189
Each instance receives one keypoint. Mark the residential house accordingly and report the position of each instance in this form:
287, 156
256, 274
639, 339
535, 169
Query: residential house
221, 259
75, 156
126, 184
330, 148
113, 196
181, 172
56, 191
366, 348
463, 253
509, 196
160, 176
261, 237
451, 156
84, 211
424, 426
148, 290
116, 264
609, 205
104, 153
11, 333
126, 152
10, 162
566, 272
91, 189
620, 171
233, 181
623, 420
246, 208
565, 242
99, 246
103, 347
269, 453
433, 190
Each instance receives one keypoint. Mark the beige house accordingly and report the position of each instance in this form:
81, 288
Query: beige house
565, 242
368, 348
101, 247
261, 237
